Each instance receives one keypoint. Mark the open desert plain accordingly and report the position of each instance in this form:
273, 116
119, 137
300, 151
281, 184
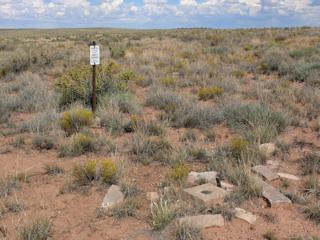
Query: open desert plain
197, 134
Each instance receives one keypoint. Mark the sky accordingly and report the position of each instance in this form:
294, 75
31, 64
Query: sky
159, 14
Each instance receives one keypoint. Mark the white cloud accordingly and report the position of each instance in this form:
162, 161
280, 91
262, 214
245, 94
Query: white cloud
159, 13
188, 2
154, 1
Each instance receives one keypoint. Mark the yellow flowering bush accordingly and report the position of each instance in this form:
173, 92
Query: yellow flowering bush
81, 144
73, 121
95, 170
179, 172
108, 172
206, 94
169, 81
238, 146
238, 73
86, 172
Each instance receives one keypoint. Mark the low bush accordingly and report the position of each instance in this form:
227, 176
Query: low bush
77, 84
72, 121
258, 123
206, 94
95, 170
179, 173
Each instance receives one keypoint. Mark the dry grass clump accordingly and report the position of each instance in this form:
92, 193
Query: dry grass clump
38, 229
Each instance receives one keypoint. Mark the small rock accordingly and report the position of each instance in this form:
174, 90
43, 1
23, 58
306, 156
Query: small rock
228, 187
288, 176
113, 197
203, 221
267, 149
207, 176
265, 172
152, 196
244, 215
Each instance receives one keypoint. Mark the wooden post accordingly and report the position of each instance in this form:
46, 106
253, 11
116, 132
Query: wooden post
94, 86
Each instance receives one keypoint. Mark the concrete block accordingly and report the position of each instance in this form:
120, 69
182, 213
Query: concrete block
203, 221
206, 194
265, 172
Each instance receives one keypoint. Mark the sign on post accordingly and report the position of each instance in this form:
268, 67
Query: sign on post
94, 60
94, 55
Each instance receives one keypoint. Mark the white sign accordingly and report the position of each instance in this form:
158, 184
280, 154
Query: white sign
94, 55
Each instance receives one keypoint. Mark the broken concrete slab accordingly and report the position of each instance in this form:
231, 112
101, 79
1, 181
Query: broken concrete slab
267, 149
207, 176
203, 221
152, 196
288, 176
228, 187
274, 197
113, 197
207, 194
246, 216
265, 172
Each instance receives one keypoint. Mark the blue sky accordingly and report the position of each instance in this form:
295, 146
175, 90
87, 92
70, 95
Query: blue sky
155, 14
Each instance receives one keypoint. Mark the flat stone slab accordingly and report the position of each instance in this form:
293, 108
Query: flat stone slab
246, 216
228, 187
265, 172
208, 176
114, 196
288, 176
207, 194
274, 197
203, 221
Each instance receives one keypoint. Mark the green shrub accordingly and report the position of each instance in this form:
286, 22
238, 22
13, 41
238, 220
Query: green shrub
303, 52
117, 52
81, 144
258, 122
72, 121
303, 71
77, 84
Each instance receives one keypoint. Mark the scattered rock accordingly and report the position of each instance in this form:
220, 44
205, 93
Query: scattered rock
288, 176
207, 176
228, 187
246, 216
207, 194
265, 172
274, 197
203, 221
267, 149
113, 197
152, 196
